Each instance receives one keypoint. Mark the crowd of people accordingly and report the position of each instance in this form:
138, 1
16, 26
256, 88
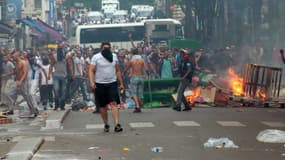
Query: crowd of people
62, 74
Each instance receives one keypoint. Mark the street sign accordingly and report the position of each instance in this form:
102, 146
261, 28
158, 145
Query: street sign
0, 13
13, 9
51, 10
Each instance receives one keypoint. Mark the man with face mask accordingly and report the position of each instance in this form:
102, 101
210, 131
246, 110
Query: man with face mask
104, 72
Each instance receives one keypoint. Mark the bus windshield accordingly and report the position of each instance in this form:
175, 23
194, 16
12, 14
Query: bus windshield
115, 34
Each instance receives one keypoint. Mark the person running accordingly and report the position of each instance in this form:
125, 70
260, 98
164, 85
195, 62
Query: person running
104, 72
22, 86
137, 65
7, 77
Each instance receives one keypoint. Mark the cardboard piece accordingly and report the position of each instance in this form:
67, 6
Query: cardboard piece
207, 95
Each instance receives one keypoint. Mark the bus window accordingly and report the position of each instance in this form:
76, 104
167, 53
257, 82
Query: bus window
116, 34
160, 28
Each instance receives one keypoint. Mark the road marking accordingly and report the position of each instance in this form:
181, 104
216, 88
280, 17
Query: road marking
49, 138
230, 124
186, 123
94, 126
18, 138
273, 124
141, 124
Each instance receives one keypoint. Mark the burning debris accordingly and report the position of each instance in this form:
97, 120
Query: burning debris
259, 85
236, 83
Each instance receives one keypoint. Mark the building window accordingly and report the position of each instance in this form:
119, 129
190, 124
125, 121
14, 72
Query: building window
3, 9
38, 4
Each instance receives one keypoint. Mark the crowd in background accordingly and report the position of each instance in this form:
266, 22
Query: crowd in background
162, 63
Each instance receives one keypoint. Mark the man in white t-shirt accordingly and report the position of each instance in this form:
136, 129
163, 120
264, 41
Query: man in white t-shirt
104, 72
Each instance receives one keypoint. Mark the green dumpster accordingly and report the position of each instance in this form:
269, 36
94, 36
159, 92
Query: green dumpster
158, 92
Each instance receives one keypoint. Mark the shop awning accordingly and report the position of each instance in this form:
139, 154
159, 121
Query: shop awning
6, 31
5, 28
43, 31
33, 24
53, 34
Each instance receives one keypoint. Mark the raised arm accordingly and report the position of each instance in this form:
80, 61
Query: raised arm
282, 55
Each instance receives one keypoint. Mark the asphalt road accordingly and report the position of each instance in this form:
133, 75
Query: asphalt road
181, 135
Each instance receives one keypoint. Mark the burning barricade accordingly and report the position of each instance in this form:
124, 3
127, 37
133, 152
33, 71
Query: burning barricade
259, 85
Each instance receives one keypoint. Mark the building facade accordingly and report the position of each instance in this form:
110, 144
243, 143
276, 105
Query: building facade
42, 9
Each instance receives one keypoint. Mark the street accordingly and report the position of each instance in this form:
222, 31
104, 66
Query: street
180, 135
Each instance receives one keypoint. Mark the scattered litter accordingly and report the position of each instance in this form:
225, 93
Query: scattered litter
157, 149
126, 149
5, 139
90, 104
220, 143
283, 154
271, 136
130, 103
91, 148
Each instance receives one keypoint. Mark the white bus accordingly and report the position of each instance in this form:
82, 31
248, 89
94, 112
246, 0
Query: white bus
116, 34
157, 31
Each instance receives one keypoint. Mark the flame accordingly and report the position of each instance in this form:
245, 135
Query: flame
236, 83
261, 94
195, 93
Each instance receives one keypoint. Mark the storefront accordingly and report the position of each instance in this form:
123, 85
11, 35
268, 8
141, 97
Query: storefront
6, 34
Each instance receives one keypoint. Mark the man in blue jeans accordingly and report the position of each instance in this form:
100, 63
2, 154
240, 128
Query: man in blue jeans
59, 66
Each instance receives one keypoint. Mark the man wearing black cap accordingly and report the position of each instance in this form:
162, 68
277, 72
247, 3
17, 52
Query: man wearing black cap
187, 71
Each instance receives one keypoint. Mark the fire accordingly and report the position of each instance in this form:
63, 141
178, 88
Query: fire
236, 83
195, 94
261, 94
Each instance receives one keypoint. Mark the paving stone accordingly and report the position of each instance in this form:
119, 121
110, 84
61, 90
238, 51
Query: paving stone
25, 149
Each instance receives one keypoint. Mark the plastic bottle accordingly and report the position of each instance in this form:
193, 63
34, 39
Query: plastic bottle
157, 149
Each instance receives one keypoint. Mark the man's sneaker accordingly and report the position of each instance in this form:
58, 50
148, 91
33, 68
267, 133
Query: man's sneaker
106, 128
137, 110
118, 128
176, 108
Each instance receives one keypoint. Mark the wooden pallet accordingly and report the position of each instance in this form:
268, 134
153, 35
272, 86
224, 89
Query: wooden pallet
5, 120
255, 102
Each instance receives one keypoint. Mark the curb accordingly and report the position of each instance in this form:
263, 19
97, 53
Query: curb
25, 149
